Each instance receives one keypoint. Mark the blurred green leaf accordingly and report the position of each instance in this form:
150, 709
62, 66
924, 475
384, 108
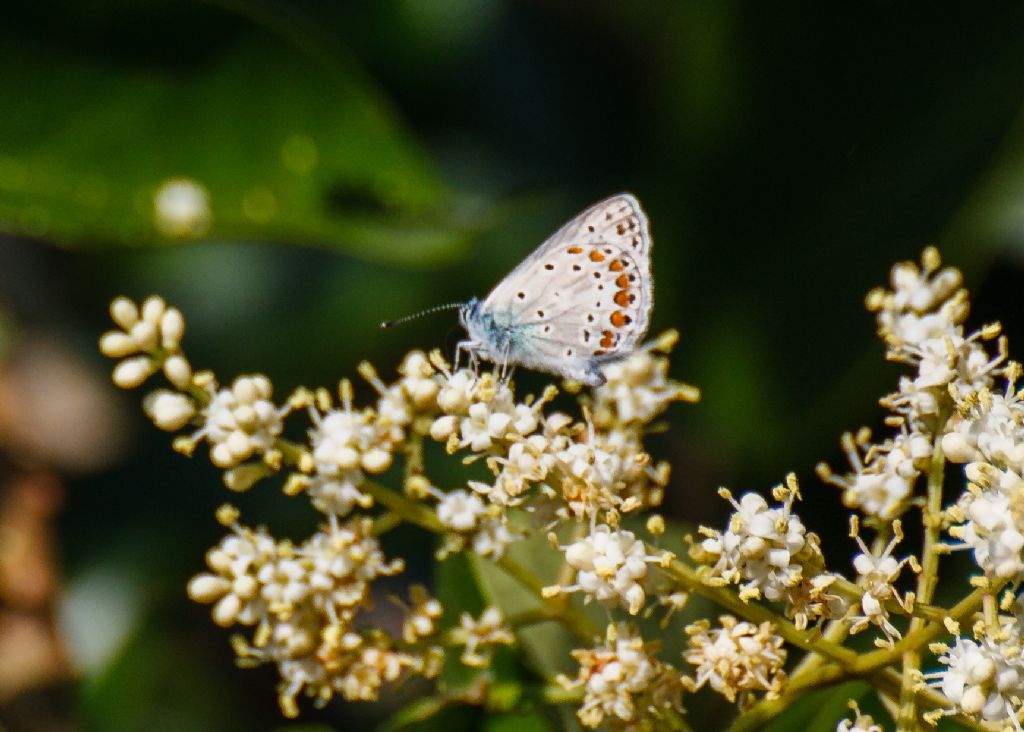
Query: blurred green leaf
286, 145
547, 645
534, 722
823, 710
419, 711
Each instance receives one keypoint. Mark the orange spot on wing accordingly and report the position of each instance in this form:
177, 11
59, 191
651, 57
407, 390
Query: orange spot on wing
599, 352
621, 298
618, 318
574, 250
607, 339
622, 281
596, 256
616, 265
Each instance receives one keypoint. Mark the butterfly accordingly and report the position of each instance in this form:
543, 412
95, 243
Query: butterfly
581, 299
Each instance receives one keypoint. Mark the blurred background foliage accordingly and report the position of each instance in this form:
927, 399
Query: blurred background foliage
359, 161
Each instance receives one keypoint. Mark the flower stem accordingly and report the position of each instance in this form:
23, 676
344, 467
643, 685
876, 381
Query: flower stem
415, 513
931, 519
755, 613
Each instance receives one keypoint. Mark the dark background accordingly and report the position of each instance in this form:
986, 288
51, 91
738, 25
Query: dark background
787, 156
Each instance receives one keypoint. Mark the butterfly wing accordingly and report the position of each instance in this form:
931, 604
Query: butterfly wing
583, 296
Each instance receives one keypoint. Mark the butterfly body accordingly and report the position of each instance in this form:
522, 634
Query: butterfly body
582, 298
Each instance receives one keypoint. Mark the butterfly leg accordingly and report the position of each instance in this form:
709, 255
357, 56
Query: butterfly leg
505, 368
469, 348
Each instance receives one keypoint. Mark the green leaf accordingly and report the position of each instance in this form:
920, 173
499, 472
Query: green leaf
419, 711
546, 647
533, 722
288, 145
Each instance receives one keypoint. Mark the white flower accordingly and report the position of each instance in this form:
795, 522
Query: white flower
992, 530
610, 566
241, 421
346, 440
169, 410
760, 547
622, 681
421, 620
877, 576
527, 462
345, 443
981, 678
881, 485
339, 494
478, 636
737, 658
990, 427
342, 560
860, 722
460, 510
492, 539
181, 208
233, 583
481, 412
284, 584
638, 388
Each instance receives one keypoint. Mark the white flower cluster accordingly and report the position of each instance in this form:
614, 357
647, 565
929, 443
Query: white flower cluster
737, 658
241, 421
468, 519
859, 723
988, 435
479, 636
610, 566
877, 575
148, 338
638, 388
345, 443
882, 481
921, 320
304, 600
984, 675
623, 683
768, 551
480, 413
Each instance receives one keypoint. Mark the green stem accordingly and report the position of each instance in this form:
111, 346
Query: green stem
926, 581
764, 711
418, 514
807, 640
925, 634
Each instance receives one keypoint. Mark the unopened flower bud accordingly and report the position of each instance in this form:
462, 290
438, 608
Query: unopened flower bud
207, 587
169, 410
178, 371
153, 309
132, 371
244, 477
376, 460
145, 334
172, 328
124, 312
117, 344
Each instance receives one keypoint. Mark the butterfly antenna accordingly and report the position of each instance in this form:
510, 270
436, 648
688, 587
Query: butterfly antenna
428, 311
